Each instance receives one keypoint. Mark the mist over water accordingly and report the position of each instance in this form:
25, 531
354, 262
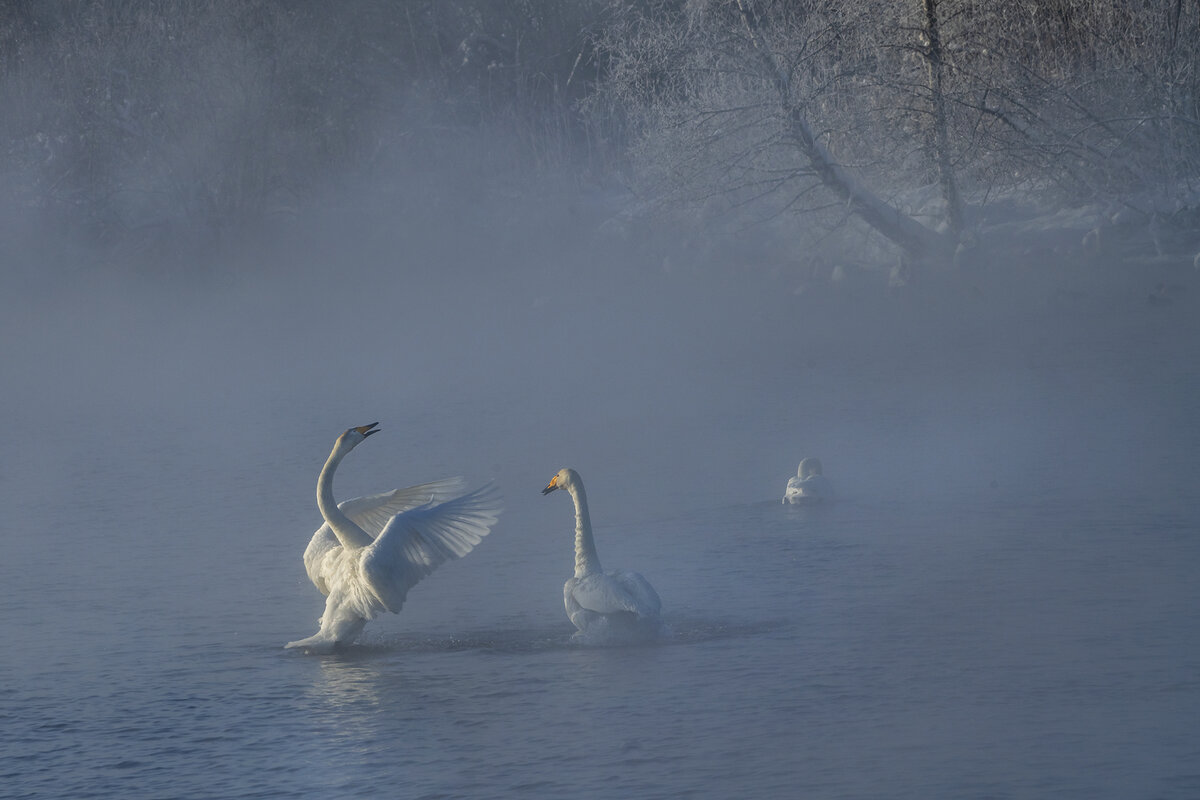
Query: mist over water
1002, 603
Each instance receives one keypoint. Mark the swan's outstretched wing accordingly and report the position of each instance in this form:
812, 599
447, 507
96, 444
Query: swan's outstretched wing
372, 513
416, 542
616, 591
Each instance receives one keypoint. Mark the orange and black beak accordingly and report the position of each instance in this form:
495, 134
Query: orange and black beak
553, 485
367, 430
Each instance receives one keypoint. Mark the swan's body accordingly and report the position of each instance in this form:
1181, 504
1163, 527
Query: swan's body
372, 550
809, 485
604, 606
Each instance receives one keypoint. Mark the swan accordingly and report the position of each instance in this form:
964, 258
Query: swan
618, 603
809, 485
371, 550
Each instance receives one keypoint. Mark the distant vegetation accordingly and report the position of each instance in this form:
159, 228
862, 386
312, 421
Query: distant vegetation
166, 131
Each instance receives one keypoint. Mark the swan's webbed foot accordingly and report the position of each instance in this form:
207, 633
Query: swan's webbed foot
331, 638
316, 645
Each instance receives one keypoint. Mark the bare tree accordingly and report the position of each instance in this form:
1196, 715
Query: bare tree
887, 220
876, 108
757, 104
939, 146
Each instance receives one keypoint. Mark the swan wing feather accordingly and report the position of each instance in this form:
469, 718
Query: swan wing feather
814, 487
372, 513
322, 543
416, 542
643, 594
616, 591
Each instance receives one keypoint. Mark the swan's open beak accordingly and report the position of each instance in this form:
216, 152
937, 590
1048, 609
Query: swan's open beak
365, 430
553, 485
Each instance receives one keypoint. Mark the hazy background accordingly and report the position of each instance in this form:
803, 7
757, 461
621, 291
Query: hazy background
230, 232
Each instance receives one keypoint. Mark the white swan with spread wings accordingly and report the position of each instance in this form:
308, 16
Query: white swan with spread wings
372, 550
619, 605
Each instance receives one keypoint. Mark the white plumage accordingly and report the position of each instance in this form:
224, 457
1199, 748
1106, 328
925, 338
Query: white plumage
371, 550
614, 606
808, 485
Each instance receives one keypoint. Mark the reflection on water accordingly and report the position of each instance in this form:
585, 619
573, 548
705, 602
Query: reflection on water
348, 682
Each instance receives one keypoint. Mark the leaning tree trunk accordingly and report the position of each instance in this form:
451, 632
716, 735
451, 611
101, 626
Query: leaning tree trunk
939, 145
901, 229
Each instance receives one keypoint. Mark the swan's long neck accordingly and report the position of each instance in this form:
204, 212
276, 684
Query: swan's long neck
349, 534
586, 560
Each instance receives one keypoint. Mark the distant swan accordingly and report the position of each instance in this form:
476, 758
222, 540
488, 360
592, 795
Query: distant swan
604, 606
808, 485
372, 550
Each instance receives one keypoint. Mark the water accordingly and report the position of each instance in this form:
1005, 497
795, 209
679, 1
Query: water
1003, 603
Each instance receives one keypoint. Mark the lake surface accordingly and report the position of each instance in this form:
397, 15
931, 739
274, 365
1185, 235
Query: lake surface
1003, 603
